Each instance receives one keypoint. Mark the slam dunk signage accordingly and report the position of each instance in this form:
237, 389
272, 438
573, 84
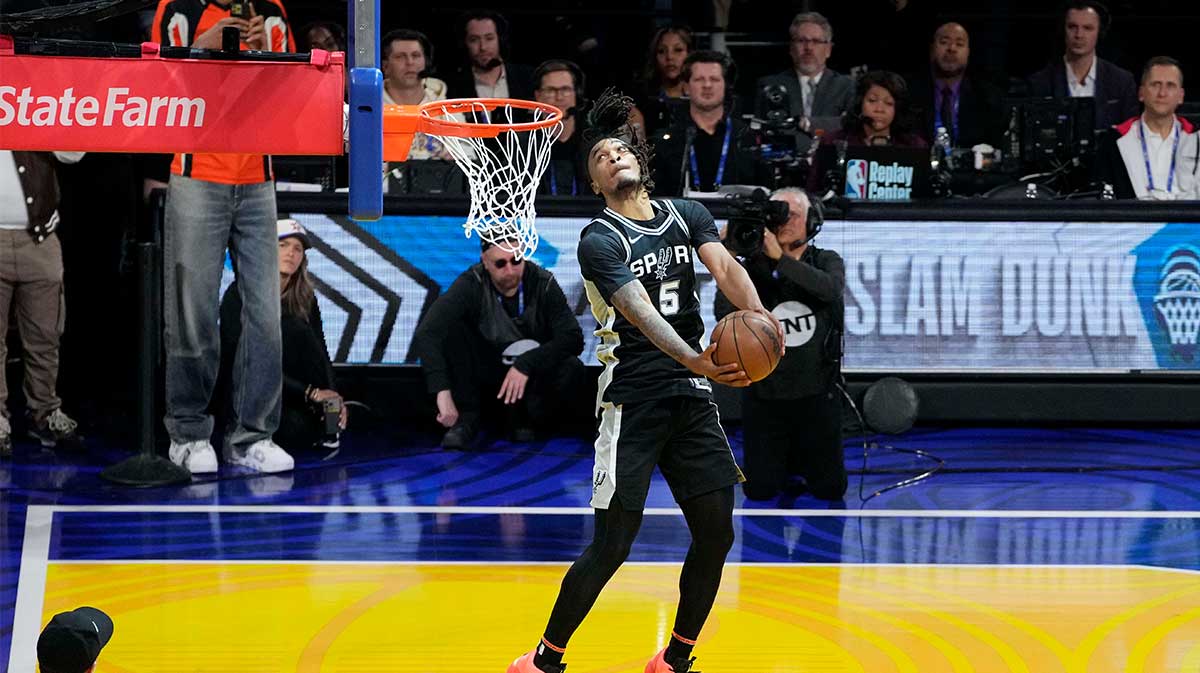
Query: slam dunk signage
920, 296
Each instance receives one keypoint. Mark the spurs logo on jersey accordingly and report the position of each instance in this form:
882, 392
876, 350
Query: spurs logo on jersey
666, 257
659, 253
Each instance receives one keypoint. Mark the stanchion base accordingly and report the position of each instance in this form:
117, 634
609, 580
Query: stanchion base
146, 471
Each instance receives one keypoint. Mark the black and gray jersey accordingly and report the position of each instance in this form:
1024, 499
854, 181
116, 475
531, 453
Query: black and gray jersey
659, 253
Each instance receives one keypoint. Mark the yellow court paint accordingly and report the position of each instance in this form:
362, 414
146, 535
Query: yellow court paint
429, 618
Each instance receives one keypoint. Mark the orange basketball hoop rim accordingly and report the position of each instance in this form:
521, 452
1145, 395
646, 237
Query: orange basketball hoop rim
401, 123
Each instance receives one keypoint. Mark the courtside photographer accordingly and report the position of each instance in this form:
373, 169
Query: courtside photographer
792, 420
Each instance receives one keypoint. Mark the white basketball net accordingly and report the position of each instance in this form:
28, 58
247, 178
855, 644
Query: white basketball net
503, 173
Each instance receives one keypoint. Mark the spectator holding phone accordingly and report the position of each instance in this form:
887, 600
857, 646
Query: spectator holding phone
313, 412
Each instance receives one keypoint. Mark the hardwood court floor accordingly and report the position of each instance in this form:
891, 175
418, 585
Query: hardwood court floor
425, 617
1037, 551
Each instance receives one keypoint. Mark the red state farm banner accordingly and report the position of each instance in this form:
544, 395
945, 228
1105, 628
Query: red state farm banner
161, 105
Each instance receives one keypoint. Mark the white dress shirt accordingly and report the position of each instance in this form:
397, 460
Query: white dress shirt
1159, 152
1088, 88
498, 90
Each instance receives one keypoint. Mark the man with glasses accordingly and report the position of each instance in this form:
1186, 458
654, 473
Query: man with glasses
813, 90
501, 336
561, 84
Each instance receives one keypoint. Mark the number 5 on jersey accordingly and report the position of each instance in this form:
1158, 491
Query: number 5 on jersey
668, 297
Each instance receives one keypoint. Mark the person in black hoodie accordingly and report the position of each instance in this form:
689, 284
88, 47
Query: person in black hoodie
308, 381
792, 420
502, 331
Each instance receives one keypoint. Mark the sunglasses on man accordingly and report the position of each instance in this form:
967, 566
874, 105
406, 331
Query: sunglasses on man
503, 262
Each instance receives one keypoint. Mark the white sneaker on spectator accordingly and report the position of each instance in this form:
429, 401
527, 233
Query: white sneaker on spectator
263, 456
195, 457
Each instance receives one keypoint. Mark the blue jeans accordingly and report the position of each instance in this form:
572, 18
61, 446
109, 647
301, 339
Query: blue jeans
202, 219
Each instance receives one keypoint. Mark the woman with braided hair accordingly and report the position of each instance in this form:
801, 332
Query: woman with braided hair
655, 397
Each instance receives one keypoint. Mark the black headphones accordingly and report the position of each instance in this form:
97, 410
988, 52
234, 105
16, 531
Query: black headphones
1095, 5
560, 65
413, 35
815, 219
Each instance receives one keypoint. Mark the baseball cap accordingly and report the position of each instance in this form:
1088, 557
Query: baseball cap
290, 227
72, 641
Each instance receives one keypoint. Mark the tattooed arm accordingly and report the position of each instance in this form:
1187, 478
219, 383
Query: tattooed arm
633, 303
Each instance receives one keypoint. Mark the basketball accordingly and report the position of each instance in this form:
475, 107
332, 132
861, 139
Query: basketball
749, 339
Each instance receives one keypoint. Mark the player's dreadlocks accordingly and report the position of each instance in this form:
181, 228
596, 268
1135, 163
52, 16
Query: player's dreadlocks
609, 118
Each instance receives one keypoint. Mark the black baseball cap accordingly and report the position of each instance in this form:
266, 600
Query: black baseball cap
72, 641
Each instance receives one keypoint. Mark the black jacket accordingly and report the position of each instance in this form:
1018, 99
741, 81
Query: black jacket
305, 356
817, 280
670, 156
547, 319
461, 84
1116, 93
980, 111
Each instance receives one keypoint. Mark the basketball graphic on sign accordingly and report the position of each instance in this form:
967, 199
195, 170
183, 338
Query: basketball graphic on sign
799, 322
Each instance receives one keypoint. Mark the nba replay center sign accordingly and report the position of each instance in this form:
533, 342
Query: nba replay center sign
874, 180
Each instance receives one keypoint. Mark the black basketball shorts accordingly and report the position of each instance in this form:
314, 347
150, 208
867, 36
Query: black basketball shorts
681, 435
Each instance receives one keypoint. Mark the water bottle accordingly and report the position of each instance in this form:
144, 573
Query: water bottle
941, 148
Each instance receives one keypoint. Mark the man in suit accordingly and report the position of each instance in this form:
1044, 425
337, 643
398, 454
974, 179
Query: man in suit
813, 90
969, 108
487, 74
1082, 74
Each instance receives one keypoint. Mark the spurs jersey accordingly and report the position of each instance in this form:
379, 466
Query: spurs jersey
614, 250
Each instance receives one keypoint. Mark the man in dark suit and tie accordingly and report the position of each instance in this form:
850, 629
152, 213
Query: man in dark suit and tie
968, 107
812, 89
1082, 74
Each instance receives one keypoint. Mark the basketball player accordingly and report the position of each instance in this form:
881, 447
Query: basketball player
654, 397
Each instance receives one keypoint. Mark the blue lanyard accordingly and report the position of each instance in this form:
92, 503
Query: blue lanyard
721, 165
938, 121
1146, 157
554, 183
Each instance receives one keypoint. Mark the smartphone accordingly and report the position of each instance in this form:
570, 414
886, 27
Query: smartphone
240, 9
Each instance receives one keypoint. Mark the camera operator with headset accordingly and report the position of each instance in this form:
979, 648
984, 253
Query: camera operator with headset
793, 419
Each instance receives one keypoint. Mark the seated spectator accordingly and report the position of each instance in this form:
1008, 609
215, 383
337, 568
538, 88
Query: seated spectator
705, 150
31, 289
406, 64
502, 331
813, 89
561, 83
325, 35
487, 72
662, 101
1141, 158
72, 641
969, 108
879, 116
1083, 74
308, 381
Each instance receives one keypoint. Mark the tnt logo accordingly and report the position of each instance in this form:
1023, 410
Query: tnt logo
1178, 302
799, 322
856, 179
